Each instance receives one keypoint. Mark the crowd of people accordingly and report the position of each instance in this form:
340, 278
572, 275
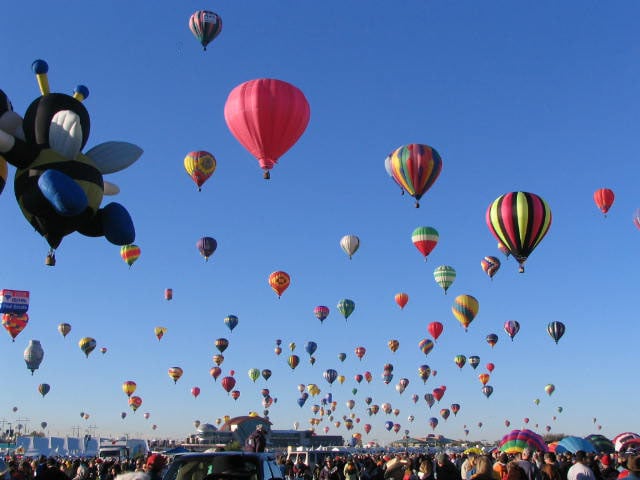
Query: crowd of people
526, 465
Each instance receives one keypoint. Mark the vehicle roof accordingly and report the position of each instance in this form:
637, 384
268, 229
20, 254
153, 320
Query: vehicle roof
267, 455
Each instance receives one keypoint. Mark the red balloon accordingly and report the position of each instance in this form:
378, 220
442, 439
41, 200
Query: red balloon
438, 393
267, 116
604, 199
435, 329
195, 391
490, 367
228, 383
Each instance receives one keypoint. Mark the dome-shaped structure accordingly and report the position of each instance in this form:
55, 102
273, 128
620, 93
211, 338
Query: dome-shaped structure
243, 426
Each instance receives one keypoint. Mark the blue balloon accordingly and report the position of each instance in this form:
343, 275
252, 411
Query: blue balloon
63, 193
388, 425
117, 224
310, 347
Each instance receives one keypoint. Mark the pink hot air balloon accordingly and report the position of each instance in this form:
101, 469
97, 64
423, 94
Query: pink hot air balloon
195, 391
267, 116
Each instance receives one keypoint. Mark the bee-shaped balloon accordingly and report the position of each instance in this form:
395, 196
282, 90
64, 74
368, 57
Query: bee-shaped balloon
58, 188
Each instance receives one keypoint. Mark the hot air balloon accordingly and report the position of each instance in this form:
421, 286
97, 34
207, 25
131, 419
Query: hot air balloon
175, 373
604, 199
438, 393
231, 321
228, 383
490, 367
507, 423
424, 372
537, 401
146, 415
205, 26
346, 307
490, 265
123, 415
200, 166
330, 375
433, 422
342, 356
64, 329
484, 378
206, 246
129, 387
103, 350
435, 329
465, 308
360, 352
168, 294
549, 388
279, 282
415, 168
159, 332
135, 402
487, 390
517, 440
512, 327
321, 312
254, 374
195, 391
519, 220
368, 377
130, 253
14, 323
266, 374
221, 344
556, 330
444, 413
87, 345
425, 345
293, 361
267, 116
350, 244
43, 425
455, 408
393, 345
401, 299
474, 361
460, 361
235, 394
44, 388
444, 276
492, 339
425, 240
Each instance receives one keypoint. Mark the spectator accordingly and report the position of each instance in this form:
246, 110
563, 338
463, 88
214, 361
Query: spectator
580, 470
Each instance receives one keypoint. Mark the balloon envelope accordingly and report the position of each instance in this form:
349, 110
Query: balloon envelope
517, 440
205, 26
415, 167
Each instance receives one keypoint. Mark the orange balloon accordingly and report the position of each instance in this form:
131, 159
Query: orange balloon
279, 282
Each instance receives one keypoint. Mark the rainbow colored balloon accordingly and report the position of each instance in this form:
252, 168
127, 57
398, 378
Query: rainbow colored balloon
465, 308
426, 345
415, 168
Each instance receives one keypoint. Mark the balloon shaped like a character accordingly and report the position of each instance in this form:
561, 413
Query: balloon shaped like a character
519, 220
205, 26
58, 187
267, 116
415, 168
200, 166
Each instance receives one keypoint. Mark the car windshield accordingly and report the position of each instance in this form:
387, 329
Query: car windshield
219, 467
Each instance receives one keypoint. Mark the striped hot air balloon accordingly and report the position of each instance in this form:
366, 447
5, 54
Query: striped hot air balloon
519, 220
205, 26
465, 308
444, 276
556, 330
425, 240
604, 198
130, 253
415, 168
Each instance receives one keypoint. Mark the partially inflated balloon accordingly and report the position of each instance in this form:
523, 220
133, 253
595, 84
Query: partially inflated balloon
415, 168
604, 198
200, 166
465, 308
444, 276
279, 282
267, 116
205, 26
519, 220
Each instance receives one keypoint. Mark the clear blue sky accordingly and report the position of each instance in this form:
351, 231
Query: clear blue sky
514, 96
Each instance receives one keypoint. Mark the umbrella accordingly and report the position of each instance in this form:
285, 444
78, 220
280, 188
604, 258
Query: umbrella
517, 440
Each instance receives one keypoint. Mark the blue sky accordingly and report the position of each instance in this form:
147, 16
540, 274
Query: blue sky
540, 98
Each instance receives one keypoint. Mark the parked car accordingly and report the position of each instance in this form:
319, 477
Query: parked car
224, 466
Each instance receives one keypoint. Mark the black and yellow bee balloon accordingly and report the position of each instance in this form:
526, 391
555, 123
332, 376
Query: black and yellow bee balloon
58, 188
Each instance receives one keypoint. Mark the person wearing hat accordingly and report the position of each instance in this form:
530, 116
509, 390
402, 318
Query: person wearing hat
607, 471
154, 466
257, 441
445, 470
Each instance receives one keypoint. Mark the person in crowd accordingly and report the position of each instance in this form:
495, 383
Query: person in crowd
425, 470
329, 471
500, 467
579, 470
515, 471
531, 470
155, 465
445, 470
633, 467
351, 470
468, 467
550, 469
607, 471
257, 441
483, 468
